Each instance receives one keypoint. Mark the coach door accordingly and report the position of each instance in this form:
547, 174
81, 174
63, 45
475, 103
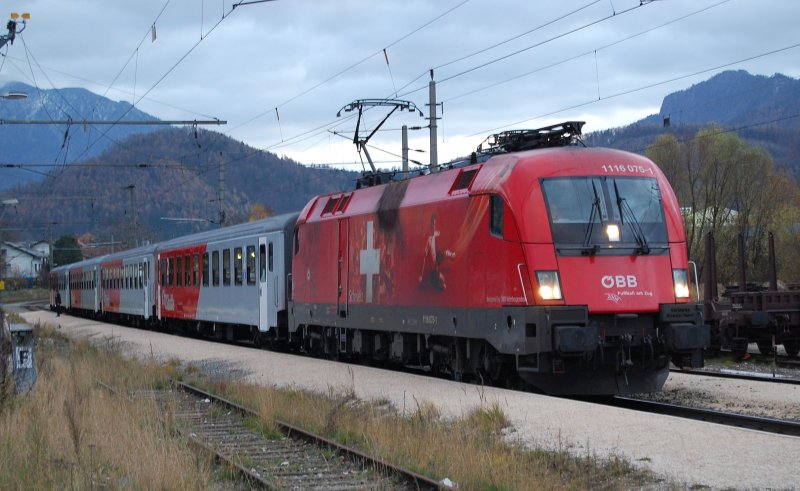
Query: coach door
144, 269
263, 283
343, 270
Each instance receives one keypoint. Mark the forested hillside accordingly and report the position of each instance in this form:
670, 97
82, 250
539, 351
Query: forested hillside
129, 190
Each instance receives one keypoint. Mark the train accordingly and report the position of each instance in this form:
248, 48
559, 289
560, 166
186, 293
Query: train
535, 261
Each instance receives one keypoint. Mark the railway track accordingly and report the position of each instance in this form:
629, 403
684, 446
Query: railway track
297, 460
770, 425
740, 376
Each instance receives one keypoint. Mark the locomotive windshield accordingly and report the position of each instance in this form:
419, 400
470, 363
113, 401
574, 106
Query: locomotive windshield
606, 215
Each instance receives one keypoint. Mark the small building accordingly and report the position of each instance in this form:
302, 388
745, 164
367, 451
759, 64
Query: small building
24, 260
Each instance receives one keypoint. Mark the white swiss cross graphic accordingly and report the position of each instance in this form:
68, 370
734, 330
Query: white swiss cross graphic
370, 261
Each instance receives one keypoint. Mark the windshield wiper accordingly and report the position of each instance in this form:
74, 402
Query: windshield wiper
625, 209
595, 211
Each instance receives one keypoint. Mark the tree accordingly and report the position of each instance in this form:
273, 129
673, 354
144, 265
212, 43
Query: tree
727, 187
66, 251
259, 211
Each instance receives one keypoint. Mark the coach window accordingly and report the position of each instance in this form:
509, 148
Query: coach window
226, 267
215, 267
237, 266
496, 215
262, 263
271, 257
178, 271
163, 272
205, 269
251, 265
171, 271
195, 269
187, 270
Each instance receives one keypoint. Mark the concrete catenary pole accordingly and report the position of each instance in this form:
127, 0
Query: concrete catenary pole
432, 119
405, 148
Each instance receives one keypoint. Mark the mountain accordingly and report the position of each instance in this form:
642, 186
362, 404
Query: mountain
52, 143
167, 174
765, 111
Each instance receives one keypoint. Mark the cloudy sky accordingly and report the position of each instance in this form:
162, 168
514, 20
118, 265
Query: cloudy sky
499, 64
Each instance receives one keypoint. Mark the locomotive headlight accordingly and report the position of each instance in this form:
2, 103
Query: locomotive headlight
612, 231
680, 277
549, 285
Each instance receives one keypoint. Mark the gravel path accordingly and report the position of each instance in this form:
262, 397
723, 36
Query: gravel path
689, 453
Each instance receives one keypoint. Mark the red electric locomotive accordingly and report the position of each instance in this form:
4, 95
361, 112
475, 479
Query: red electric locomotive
538, 257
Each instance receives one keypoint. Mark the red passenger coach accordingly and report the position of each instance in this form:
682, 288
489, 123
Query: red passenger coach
561, 264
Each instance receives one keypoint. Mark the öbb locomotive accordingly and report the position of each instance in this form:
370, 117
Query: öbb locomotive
536, 259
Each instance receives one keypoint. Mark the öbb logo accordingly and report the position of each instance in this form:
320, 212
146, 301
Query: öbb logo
619, 281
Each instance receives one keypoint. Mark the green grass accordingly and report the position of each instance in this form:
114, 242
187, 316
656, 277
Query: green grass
24, 295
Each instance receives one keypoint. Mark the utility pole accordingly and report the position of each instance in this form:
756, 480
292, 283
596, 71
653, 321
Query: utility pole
432, 118
405, 148
221, 198
134, 232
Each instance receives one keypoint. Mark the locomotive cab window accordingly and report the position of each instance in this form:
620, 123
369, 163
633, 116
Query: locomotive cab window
496, 215
609, 215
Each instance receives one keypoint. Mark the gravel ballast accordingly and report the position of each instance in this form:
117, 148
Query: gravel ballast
689, 453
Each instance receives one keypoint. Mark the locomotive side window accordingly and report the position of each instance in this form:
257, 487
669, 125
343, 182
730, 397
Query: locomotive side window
271, 256
237, 266
296, 242
251, 265
496, 209
205, 269
262, 263
215, 267
195, 270
226, 267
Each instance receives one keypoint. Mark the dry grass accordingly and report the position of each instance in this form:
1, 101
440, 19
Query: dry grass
68, 433
71, 434
473, 452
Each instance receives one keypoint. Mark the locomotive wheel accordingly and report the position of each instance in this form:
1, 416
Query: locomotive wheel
765, 347
792, 347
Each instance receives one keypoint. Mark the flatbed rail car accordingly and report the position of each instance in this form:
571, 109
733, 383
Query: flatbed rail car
768, 317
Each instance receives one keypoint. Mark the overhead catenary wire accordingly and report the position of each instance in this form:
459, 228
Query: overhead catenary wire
640, 88
464, 72
349, 67
586, 53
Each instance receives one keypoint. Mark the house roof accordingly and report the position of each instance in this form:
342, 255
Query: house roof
26, 250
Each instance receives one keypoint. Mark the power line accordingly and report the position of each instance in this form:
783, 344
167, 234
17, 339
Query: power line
637, 89
585, 53
348, 68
